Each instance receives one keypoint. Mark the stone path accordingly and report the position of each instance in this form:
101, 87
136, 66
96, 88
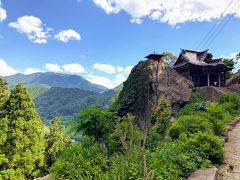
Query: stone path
230, 170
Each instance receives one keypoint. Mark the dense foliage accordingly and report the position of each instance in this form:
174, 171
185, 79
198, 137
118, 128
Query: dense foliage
109, 146
172, 151
64, 102
23, 145
56, 140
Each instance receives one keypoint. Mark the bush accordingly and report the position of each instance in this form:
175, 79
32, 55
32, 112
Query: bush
80, 161
160, 119
208, 146
192, 107
231, 102
188, 125
126, 166
217, 116
174, 161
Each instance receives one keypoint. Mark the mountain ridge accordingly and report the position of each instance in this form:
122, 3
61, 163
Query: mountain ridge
55, 80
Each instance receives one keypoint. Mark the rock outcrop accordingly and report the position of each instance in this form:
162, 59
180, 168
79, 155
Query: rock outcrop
148, 82
233, 83
234, 79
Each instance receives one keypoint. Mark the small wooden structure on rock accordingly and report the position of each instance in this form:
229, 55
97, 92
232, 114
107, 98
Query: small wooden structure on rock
198, 67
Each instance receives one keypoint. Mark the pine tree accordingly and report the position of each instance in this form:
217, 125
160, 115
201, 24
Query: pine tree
56, 140
3, 95
25, 139
3, 122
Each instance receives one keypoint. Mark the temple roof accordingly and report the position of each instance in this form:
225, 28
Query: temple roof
198, 58
154, 56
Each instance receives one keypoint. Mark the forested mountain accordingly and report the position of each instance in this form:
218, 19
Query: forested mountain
64, 102
54, 80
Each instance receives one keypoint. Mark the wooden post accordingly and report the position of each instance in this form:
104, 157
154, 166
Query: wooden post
219, 80
208, 79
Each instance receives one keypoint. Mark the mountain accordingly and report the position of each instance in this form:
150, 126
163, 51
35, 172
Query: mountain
55, 80
53, 102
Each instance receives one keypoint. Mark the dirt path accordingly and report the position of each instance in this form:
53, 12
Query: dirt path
230, 170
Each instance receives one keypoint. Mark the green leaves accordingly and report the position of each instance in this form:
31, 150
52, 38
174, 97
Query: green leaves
22, 139
80, 161
56, 140
94, 122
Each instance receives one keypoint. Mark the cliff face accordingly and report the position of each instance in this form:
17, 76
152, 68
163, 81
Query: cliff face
148, 82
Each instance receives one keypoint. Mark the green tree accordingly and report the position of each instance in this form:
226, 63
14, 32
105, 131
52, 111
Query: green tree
161, 122
230, 63
3, 122
56, 140
126, 135
94, 122
169, 58
25, 138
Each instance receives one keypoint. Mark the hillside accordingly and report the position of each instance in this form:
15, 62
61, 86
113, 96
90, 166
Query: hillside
146, 85
65, 102
55, 80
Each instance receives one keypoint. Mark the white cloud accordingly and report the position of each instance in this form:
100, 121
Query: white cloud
105, 68
120, 69
67, 35
6, 70
100, 80
120, 78
53, 67
32, 70
3, 14
33, 28
73, 68
105, 81
172, 12
128, 69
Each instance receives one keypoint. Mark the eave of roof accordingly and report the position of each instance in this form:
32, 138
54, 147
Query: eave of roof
202, 65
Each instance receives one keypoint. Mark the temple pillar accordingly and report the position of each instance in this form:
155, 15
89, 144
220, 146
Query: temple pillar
208, 79
219, 80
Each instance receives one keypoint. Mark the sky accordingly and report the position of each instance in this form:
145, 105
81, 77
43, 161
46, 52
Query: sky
101, 40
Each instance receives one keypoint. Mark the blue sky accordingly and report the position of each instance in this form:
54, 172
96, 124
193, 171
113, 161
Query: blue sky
101, 40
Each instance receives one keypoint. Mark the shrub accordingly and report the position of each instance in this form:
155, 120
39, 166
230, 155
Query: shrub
160, 119
188, 125
126, 166
217, 116
231, 102
80, 161
174, 161
208, 146
195, 102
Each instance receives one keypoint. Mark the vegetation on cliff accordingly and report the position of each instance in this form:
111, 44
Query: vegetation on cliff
111, 145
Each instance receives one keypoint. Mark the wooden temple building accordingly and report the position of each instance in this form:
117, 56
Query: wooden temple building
199, 67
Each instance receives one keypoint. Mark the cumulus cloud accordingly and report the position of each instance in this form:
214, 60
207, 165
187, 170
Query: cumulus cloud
105, 68
120, 69
33, 28
53, 67
128, 69
67, 35
32, 70
172, 12
3, 14
73, 68
5, 69
105, 81
118, 75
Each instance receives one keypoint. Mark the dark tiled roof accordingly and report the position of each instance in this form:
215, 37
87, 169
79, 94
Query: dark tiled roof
199, 58
154, 55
